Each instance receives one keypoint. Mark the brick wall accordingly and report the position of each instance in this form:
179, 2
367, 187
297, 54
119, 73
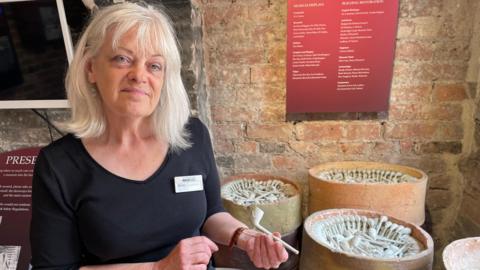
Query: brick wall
428, 125
468, 220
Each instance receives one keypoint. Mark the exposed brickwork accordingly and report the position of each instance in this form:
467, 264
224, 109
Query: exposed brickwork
281, 131
441, 147
425, 127
413, 8
422, 111
23, 128
410, 94
418, 50
468, 222
382, 148
274, 148
438, 199
325, 131
363, 131
228, 131
286, 162
248, 147
416, 130
449, 92
470, 206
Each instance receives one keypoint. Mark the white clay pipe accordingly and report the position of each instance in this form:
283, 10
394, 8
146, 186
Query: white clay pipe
257, 215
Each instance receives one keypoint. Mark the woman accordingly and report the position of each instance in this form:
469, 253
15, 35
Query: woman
134, 185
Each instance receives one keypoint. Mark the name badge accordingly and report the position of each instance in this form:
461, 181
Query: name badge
188, 183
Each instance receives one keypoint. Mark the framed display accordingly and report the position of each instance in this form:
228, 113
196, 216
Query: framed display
340, 55
36, 45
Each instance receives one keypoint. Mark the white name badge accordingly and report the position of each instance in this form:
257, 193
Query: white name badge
188, 183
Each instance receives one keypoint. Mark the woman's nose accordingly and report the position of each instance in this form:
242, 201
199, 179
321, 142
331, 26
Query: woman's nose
137, 73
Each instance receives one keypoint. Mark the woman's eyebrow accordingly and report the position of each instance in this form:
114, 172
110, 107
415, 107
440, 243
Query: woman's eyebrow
125, 49
157, 55
132, 53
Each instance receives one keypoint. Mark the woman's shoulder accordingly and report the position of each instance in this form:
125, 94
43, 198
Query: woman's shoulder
197, 132
195, 125
62, 144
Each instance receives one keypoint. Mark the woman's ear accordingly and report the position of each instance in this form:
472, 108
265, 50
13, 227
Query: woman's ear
89, 70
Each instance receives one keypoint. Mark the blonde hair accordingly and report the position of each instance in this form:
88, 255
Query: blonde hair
154, 34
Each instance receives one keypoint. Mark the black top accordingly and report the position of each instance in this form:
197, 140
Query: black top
83, 214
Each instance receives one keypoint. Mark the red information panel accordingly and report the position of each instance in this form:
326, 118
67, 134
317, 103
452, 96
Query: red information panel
340, 55
16, 171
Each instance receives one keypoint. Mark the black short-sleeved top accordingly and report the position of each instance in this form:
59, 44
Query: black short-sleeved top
82, 214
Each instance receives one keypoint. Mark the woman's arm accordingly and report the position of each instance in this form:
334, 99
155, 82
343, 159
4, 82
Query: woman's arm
262, 250
54, 237
220, 227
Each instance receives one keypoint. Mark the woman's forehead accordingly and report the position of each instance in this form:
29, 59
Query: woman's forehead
135, 42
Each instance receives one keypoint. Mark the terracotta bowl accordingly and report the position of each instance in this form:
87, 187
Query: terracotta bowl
283, 216
462, 254
317, 256
405, 201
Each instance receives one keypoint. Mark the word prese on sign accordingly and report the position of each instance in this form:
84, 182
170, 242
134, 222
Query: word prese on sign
16, 172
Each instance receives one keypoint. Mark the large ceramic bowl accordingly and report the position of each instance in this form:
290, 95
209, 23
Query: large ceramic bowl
404, 200
462, 254
318, 256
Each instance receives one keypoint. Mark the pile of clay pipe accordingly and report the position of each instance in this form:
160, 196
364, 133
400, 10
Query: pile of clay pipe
366, 176
252, 192
361, 235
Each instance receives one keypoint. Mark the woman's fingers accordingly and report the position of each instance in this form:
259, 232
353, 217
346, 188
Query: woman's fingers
202, 241
264, 251
251, 248
282, 253
191, 253
258, 251
201, 244
198, 267
198, 244
272, 252
274, 260
280, 250
200, 258
213, 247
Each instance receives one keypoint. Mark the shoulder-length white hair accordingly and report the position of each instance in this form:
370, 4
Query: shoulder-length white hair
154, 34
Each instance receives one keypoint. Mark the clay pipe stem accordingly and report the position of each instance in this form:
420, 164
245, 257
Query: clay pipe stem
285, 244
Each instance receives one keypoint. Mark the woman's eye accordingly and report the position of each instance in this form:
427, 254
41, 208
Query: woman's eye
156, 67
121, 59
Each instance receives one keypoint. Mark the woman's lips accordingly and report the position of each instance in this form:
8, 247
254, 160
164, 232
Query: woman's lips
136, 91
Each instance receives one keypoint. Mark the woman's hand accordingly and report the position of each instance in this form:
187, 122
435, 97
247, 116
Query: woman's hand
192, 253
262, 249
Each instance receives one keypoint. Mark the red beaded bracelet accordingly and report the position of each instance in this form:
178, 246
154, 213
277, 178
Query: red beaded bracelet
236, 234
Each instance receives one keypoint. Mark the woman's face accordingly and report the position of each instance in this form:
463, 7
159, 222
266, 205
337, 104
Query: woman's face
128, 82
